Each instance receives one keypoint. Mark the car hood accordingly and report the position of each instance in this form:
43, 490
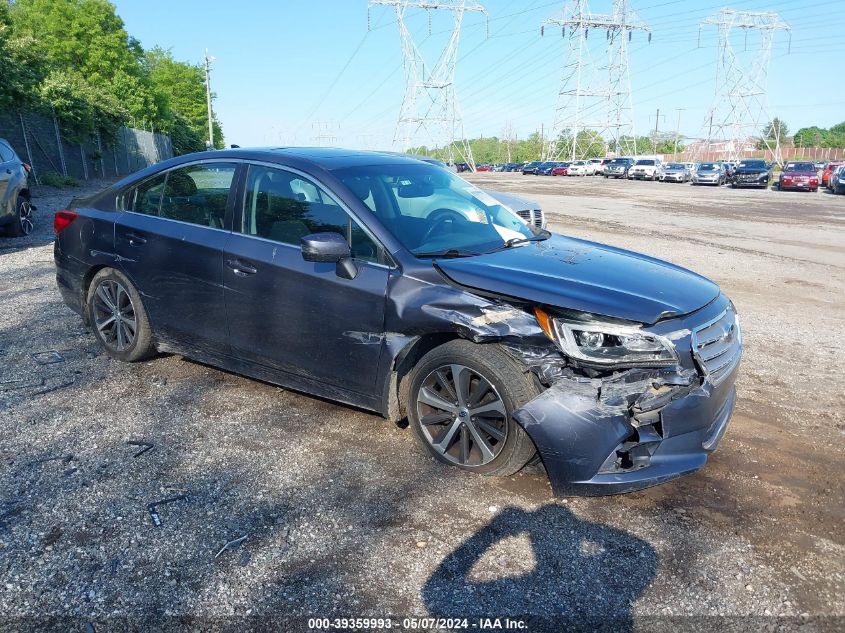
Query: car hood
576, 274
516, 203
752, 170
799, 173
708, 171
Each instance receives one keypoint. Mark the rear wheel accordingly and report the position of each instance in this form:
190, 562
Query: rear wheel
23, 223
461, 399
118, 318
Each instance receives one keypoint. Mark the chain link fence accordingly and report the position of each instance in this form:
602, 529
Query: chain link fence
38, 140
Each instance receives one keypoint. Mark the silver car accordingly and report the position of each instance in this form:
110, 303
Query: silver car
15, 203
709, 174
675, 172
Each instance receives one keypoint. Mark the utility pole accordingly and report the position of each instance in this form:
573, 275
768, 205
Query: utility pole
429, 112
208, 60
595, 88
677, 134
656, 130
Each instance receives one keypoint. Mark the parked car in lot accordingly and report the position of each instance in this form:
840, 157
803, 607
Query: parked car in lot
674, 172
709, 174
562, 169
580, 168
531, 168
546, 168
16, 209
309, 268
529, 210
751, 173
836, 182
827, 170
645, 169
799, 175
618, 168
597, 165
601, 170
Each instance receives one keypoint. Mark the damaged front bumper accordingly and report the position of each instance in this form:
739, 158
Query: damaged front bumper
637, 428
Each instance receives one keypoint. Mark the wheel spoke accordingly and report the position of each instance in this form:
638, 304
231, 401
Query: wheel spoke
102, 325
432, 399
448, 437
121, 341
130, 325
460, 377
444, 383
464, 444
497, 406
481, 443
104, 296
478, 392
491, 430
435, 418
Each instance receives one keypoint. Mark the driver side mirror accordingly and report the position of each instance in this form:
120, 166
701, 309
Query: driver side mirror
329, 248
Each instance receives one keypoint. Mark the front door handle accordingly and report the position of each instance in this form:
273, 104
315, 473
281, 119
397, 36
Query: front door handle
135, 239
240, 267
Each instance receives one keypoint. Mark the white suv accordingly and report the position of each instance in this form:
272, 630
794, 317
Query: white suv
645, 169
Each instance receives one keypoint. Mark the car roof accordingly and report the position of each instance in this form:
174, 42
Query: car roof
326, 157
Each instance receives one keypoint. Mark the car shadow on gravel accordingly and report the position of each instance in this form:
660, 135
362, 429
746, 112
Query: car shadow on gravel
585, 575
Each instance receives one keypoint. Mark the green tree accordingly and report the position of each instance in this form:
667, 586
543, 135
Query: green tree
21, 69
775, 131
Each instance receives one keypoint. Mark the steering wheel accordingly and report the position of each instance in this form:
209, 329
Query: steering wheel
439, 218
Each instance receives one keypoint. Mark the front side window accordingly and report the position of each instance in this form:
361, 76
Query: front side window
285, 207
198, 193
431, 211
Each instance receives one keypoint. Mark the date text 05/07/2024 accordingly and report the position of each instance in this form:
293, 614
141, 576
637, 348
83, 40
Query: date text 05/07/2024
414, 624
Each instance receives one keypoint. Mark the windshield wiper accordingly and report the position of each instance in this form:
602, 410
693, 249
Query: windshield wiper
514, 241
448, 253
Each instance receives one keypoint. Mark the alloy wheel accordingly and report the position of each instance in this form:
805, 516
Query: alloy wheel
462, 416
25, 217
114, 315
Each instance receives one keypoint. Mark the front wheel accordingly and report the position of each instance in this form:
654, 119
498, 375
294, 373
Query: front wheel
461, 399
118, 318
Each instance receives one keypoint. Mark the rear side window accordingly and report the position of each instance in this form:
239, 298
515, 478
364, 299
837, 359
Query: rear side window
6, 153
198, 193
145, 197
284, 207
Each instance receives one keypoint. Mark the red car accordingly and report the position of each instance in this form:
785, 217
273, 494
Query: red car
484, 168
797, 175
829, 170
561, 170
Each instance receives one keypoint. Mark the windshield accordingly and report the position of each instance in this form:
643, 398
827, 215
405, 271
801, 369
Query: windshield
753, 164
431, 211
645, 162
800, 167
676, 166
706, 166
620, 161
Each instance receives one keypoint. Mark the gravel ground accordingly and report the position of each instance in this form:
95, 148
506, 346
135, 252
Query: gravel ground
339, 513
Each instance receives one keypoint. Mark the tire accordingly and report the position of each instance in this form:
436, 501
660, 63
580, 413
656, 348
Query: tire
455, 428
23, 223
111, 326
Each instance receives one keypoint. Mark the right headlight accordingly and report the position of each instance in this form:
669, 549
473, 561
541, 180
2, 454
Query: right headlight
607, 344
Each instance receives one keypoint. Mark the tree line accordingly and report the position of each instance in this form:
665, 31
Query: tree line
74, 59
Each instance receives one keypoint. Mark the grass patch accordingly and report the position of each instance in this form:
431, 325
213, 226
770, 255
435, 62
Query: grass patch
57, 180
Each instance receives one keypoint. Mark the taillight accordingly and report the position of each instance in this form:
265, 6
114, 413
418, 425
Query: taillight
27, 168
63, 219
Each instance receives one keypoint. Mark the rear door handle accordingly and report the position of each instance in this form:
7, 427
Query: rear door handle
240, 267
135, 239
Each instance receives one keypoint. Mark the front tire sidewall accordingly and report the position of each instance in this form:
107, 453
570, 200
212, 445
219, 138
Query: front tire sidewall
142, 347
514, 384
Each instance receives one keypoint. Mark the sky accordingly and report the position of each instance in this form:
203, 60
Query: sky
310, 72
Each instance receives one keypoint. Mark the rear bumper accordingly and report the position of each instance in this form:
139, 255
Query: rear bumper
590, 448
69, 277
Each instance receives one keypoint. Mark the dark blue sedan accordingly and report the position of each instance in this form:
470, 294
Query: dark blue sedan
392, 284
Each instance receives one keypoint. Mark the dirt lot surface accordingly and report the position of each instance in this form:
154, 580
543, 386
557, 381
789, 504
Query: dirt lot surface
343, 516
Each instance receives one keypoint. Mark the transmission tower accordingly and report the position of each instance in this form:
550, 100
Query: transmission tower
595, 90
430, 113
740, 106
